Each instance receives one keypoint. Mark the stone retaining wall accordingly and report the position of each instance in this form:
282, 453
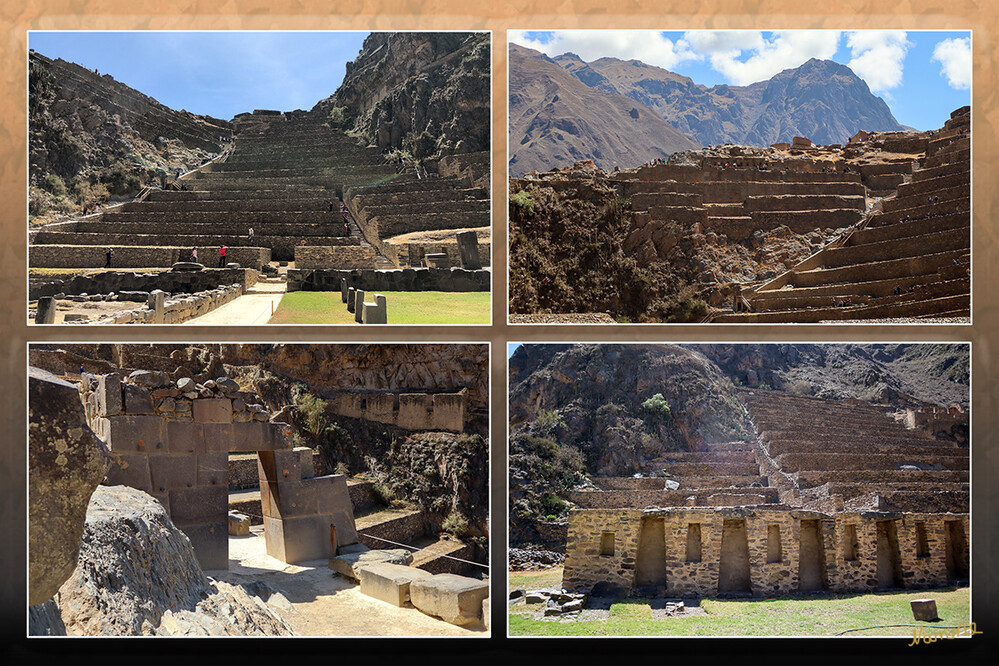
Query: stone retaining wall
136, 256
406, 279
411, 411
339, 258
173, 282
763, 552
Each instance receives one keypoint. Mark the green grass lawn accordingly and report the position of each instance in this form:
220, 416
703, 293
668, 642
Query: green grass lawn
404, 307
818, 615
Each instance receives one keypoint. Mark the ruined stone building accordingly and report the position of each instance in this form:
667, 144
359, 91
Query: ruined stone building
828, 495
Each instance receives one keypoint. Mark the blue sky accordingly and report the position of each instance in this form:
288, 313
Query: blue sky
511, 347
922, 76
214, 73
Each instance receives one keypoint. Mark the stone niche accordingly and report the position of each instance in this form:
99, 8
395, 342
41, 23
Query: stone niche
172, 439
761, 551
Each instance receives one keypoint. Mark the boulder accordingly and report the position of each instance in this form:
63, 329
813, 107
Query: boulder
350, 559
66, 462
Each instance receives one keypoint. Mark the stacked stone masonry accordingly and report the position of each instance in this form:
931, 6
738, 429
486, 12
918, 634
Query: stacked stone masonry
172, 439
837, 496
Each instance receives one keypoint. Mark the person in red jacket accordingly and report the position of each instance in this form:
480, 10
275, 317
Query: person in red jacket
222, 257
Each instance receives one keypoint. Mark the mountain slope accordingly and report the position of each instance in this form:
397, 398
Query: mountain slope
821, 100
555, 119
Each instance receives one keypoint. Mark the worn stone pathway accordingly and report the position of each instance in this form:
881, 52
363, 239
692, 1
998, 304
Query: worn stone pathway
254, 307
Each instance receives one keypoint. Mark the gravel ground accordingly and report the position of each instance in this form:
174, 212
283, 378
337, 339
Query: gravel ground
581, 318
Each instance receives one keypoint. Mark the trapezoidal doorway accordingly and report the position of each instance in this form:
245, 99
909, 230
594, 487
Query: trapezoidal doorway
650, 564
811, 557
889, 565
733, 569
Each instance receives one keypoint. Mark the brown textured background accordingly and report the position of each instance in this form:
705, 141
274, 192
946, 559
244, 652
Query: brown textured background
981, 17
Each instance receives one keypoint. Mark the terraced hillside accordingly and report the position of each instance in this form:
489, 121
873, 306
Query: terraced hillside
909, 258
879, 228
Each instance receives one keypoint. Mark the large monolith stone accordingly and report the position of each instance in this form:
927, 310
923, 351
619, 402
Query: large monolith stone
66, 462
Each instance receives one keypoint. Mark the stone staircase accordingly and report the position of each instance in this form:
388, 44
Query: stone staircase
910, 258
842, 455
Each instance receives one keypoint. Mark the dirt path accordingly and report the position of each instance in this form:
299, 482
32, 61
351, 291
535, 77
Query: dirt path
254, 307
323, 603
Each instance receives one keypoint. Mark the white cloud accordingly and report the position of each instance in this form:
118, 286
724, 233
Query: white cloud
745, 56
878, 56
650, 47
955, 56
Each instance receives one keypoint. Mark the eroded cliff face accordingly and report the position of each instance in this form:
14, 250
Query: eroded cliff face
423, 93
98, 137
596, 397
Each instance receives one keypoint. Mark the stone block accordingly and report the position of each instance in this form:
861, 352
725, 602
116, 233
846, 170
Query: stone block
924, 610
279, 466
333, 501
468, 250
349, 561
375, 313
198, 505
138, 400
185, 438
351, 299
389, 582
298, 539
213, 468
260, 436
306, 461
455, 599
293, 499
168, 472
485, 612
358, 305
137, 434
46, 312
213, 410
220, 437
109, 402
156, 303
211, 543
343, 289
239, 524
130, 469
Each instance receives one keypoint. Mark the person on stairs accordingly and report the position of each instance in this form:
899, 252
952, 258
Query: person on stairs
222, 256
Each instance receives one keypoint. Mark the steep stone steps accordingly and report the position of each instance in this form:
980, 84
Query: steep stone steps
658, 483
638, 499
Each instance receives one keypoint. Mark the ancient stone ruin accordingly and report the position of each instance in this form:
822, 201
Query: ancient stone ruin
795, 233
834, 496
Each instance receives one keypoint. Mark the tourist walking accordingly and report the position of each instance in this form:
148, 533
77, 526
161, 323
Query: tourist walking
222, 256
194, 255
251, 233
107, 257
346, 229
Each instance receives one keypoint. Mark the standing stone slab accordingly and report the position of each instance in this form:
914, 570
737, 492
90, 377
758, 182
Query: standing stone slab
468, 250
109, 401
375, 313
389, 582
455, 599
46, 312
358, 305
351, 299
343, 289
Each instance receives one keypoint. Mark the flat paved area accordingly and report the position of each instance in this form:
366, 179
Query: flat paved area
254, 307
318, 602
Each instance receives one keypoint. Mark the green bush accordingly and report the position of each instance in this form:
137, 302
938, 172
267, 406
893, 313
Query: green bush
313, 411
455, 524
657, 405
524, 202
54, 184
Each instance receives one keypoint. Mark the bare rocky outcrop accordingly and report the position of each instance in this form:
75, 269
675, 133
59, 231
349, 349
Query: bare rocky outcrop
138, 576
66, 462
423, 92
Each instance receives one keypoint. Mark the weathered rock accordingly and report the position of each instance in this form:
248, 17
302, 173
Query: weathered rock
66, 462
138, 575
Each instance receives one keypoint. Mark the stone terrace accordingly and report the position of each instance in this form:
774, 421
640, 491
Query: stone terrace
456, 197
910, 258
830, 456
281, 177
724, 474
